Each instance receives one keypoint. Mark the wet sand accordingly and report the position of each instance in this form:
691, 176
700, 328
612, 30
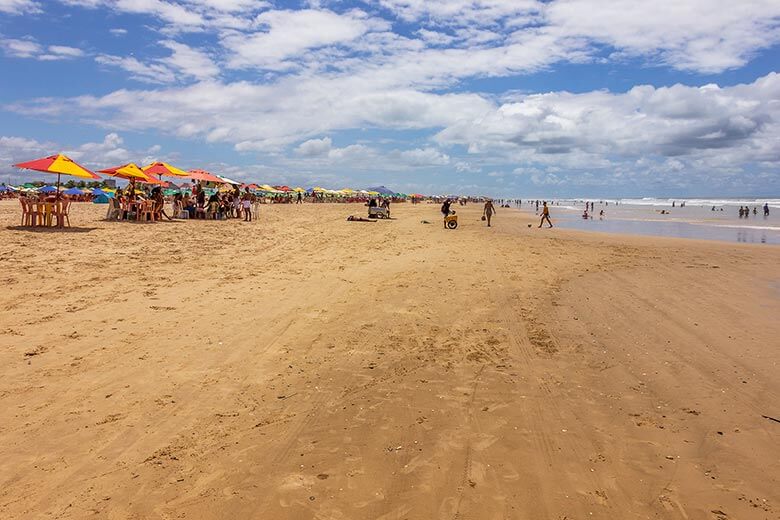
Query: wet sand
307, 367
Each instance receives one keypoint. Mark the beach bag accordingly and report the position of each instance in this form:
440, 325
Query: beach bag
483, 217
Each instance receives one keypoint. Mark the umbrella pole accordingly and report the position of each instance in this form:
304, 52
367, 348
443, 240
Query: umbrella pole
58, 188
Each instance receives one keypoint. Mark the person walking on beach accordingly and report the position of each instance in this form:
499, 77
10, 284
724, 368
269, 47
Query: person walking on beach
488, 211
300, 198
445, 208
766, 209
545, 215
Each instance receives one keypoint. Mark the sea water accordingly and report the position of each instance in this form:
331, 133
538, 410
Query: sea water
657, 217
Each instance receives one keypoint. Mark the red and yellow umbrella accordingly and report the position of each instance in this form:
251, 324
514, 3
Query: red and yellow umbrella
59, 164
161, 168
130, 172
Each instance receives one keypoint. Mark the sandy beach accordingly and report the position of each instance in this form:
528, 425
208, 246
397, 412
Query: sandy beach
306, 367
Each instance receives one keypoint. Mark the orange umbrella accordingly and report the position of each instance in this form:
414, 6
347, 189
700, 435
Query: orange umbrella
59, 164
202, 175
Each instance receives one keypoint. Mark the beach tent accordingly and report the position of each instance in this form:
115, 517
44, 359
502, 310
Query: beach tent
100, 196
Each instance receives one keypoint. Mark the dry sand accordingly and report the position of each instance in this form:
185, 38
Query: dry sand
306, 367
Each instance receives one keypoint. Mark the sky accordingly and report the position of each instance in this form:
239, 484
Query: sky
506, 98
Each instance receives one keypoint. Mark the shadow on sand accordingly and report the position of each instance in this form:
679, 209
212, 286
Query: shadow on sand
36, 229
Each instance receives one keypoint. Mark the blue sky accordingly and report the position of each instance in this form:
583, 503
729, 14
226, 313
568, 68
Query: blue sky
498, 97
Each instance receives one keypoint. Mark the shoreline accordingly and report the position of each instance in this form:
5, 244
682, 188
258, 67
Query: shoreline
388, 370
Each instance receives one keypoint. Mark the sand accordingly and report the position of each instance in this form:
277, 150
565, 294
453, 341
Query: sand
306, 367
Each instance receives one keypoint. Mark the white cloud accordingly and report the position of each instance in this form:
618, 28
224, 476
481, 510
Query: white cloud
743, 120
19, 6
424, 157
315, 147
21, 48
29, 48
118, 31
183, 63
63, 52
146, 72
286, 34
189, 61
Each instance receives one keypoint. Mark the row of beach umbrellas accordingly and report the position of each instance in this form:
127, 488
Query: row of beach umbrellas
60, 164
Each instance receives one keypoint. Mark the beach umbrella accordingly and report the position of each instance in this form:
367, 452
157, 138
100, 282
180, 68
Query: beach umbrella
229, 181
299, 190
203, 175
131, 172
47, 189
382, 190
283, 188
161, 168
59, 164
73, 191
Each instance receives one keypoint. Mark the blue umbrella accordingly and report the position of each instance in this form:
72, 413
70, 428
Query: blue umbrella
97, 192
47, 189
73, 191
382, 190
4, 188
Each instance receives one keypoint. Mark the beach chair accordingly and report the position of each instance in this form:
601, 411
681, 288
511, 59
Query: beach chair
60, 212
145, 211
114, 211
30, 213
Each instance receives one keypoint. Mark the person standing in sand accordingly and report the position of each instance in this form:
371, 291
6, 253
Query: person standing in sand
545, 215
488, 211
246, 202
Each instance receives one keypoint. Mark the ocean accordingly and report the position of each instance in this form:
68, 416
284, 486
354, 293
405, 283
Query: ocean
702, 218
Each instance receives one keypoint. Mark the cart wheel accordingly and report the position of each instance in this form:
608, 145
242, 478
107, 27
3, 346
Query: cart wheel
452, 224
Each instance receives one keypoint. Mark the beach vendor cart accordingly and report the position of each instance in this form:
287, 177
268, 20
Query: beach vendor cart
451, 220
378, 212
